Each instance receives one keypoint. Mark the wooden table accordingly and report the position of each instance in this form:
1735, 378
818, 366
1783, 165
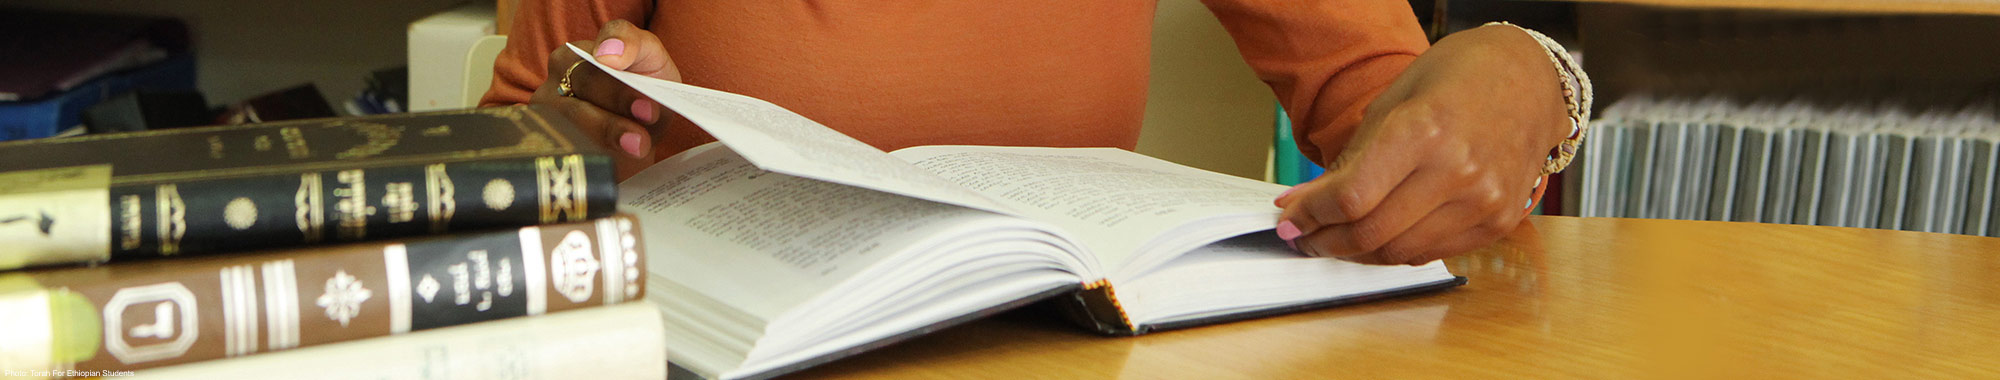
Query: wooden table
1979, 7
1566, 297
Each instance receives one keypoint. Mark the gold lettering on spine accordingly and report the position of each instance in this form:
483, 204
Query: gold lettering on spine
439, 190
401, 201
311, 216
131, 216
173, 218
295, 143
215, 147
561, 188
351, 205
377, 139
437, 131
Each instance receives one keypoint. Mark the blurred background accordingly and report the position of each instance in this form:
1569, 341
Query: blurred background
1864, 113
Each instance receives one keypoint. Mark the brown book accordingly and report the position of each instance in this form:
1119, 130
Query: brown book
239, 188
156, 313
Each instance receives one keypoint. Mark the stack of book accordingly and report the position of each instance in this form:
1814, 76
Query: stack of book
791, 245
384, 247
1796, 162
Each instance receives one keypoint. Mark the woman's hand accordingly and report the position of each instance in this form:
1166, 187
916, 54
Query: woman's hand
617, 117
1445, 159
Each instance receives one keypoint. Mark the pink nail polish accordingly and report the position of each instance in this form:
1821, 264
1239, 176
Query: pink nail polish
610, 47
1287, 193
1295, 246
643, 110
630, 141
1288, 231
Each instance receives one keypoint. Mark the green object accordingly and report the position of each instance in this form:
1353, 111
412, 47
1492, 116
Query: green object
75, 325
1289, 166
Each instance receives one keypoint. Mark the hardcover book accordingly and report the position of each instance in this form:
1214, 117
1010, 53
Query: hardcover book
234, 188
795, 245
611, 342
139, 315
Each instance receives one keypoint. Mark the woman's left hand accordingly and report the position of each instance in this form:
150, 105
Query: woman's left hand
1445, 160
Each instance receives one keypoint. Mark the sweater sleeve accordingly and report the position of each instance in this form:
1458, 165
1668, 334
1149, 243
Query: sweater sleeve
1325, 60
541, 26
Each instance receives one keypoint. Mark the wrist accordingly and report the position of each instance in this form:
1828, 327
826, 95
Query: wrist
1576, 95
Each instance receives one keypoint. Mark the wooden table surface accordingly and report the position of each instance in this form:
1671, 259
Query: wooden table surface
1975, 7
1565, 297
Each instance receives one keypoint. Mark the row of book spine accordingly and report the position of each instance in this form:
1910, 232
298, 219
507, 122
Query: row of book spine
374, 246
1796, 162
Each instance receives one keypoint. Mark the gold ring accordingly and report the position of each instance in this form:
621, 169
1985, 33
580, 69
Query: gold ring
563, 88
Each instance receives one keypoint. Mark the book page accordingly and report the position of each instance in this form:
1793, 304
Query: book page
779, 140
765, 241
1116, 201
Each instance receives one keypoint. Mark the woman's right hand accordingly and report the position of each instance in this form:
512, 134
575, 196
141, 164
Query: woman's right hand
615, 116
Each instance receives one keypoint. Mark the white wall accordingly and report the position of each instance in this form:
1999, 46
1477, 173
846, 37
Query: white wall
1205, 108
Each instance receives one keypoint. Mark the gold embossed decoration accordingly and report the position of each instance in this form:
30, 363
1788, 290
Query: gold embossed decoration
561, 188
379, 138
240, 214
310, 216
438, 188
132, 216
499, 194
172, 215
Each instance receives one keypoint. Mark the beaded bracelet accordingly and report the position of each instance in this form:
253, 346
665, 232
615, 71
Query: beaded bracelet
1576, 96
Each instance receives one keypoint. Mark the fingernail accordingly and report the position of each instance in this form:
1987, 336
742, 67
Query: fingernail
1288, 231
1295, 246
643, 109
630, 141
1281, 196
610, 47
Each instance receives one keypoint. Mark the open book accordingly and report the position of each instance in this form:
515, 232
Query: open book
787, 244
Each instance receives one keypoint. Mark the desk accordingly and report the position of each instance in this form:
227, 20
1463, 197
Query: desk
1565, 297
1846, 6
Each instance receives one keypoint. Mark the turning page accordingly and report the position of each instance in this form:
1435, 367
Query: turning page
778, 140
764, 242
1115, 201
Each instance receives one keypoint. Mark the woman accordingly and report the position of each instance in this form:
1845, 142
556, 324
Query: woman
1432, 150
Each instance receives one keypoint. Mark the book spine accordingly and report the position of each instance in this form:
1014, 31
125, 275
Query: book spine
1095, 306
150, 314
615, 342
350, 205
194, 190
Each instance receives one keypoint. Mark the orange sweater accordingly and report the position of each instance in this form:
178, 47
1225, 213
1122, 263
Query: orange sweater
899, 74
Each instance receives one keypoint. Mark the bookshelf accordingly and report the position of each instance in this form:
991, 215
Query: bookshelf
1840, 6
1868, 59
